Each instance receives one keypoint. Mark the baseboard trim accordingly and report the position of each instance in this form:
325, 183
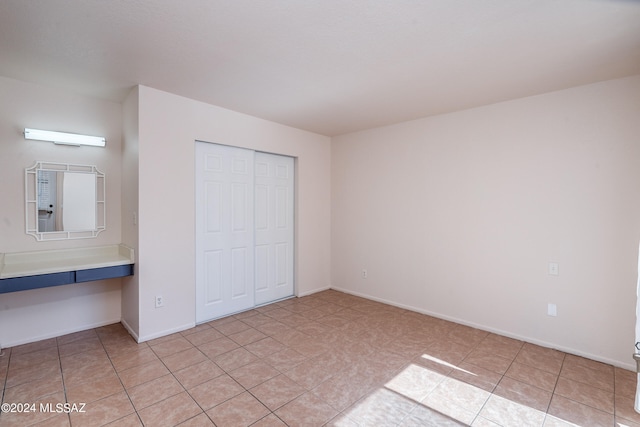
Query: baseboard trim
130, 330
617, 363
164, 333
59, 333
313, 291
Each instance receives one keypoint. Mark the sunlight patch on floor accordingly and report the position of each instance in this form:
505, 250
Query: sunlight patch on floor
445, 363
420, 396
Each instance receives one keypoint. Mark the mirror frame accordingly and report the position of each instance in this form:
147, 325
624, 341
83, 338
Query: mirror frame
31, 201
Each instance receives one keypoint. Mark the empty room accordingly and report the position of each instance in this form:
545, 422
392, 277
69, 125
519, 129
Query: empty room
310, 213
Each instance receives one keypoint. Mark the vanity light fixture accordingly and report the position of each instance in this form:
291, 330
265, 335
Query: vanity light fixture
64, 138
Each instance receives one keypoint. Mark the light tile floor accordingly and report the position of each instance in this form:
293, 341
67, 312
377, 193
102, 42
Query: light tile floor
326, 359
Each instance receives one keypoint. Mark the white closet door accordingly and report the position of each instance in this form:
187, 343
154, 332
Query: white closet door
224, 230
274, 213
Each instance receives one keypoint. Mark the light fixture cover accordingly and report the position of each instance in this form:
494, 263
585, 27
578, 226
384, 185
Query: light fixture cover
64, 138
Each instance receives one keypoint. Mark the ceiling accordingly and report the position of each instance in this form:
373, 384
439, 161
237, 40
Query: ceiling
327, 66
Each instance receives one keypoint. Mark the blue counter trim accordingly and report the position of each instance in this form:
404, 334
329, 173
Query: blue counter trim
25, 283
103, 273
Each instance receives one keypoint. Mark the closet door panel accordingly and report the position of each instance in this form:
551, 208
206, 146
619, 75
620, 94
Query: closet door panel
274, 232
244, 229
224, 230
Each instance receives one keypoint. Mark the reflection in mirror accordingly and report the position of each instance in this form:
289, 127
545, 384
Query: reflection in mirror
64, 201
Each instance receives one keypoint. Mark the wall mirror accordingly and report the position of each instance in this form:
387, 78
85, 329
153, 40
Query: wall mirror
64, 201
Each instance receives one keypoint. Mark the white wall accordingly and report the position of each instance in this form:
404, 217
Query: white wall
168, 127
456, 215
130, 284
459, 215
36, 314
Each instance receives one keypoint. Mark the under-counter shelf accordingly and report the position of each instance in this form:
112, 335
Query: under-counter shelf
32, 270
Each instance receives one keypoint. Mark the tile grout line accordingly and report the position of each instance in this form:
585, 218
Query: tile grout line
555, 386
64, 386
178, 381
6, 374
120, 381
204, 411
355, 322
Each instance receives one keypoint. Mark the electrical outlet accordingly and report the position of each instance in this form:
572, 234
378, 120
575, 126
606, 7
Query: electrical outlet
365, 274
159, 301
554, 268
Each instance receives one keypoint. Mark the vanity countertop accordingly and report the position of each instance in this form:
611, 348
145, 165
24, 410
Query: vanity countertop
21, 264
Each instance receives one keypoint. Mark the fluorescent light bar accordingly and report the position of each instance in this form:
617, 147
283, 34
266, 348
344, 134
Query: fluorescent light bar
64, 138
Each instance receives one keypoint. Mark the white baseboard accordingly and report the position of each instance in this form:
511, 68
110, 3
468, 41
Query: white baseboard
166, 332
130, 330
619, 364
313, 291
58, 333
